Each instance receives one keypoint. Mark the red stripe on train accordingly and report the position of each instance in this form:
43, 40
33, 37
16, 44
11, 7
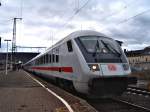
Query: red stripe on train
60, 69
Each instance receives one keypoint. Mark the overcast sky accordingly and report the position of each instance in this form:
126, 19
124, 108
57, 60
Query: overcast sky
47, 21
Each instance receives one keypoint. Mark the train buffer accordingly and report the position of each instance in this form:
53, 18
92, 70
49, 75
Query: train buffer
20, 93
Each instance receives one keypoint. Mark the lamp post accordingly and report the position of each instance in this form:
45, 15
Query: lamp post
6, 55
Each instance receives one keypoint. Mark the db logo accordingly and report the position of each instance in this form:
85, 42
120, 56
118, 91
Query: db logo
112, 67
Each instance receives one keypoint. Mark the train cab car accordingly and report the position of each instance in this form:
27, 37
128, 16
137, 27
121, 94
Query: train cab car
91, 62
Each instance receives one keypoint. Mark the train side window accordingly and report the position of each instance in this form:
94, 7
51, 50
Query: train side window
43, 59
69, 45
53, 58
40, 60
57, 58
46, 58
49, 58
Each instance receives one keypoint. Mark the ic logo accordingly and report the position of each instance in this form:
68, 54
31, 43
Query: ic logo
112, 67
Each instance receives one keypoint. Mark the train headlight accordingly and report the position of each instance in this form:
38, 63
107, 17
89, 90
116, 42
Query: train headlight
125, 66
94, 67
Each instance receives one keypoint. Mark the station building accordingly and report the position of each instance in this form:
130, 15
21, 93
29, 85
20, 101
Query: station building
19, 56
139, 58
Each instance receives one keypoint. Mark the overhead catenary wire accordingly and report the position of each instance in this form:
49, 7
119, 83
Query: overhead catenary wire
75, 13
118, 12
111, 15
79, 9
128, 19
132, 17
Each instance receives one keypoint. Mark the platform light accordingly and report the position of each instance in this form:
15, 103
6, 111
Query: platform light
6, 56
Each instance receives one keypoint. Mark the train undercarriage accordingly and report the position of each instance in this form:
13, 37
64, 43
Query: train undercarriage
108, 86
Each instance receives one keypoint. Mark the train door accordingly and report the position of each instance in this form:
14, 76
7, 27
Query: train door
62, 59
66, 61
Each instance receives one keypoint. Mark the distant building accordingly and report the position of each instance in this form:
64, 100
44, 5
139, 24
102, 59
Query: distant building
139, 58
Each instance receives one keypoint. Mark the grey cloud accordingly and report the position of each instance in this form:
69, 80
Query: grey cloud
5, 26
136, 32
50, 24
41, 13
142, 21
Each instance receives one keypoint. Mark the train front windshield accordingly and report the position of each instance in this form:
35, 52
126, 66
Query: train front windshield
98, 45
100, 49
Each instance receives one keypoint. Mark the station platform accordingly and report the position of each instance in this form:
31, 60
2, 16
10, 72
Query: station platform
20, 93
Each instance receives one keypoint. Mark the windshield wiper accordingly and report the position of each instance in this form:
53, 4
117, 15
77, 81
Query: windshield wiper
111, 48
96, 48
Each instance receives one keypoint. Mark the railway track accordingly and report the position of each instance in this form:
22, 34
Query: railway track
116, 105
138, 91
121, 104
133, 105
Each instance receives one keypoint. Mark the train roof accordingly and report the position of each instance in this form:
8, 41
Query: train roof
79, 34
72, 36
85, 33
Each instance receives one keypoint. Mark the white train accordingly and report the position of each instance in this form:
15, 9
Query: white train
88, 61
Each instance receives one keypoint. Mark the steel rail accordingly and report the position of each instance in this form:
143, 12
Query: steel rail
132, 104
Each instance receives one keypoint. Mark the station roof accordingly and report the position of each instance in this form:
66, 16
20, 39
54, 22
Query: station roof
145, 51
